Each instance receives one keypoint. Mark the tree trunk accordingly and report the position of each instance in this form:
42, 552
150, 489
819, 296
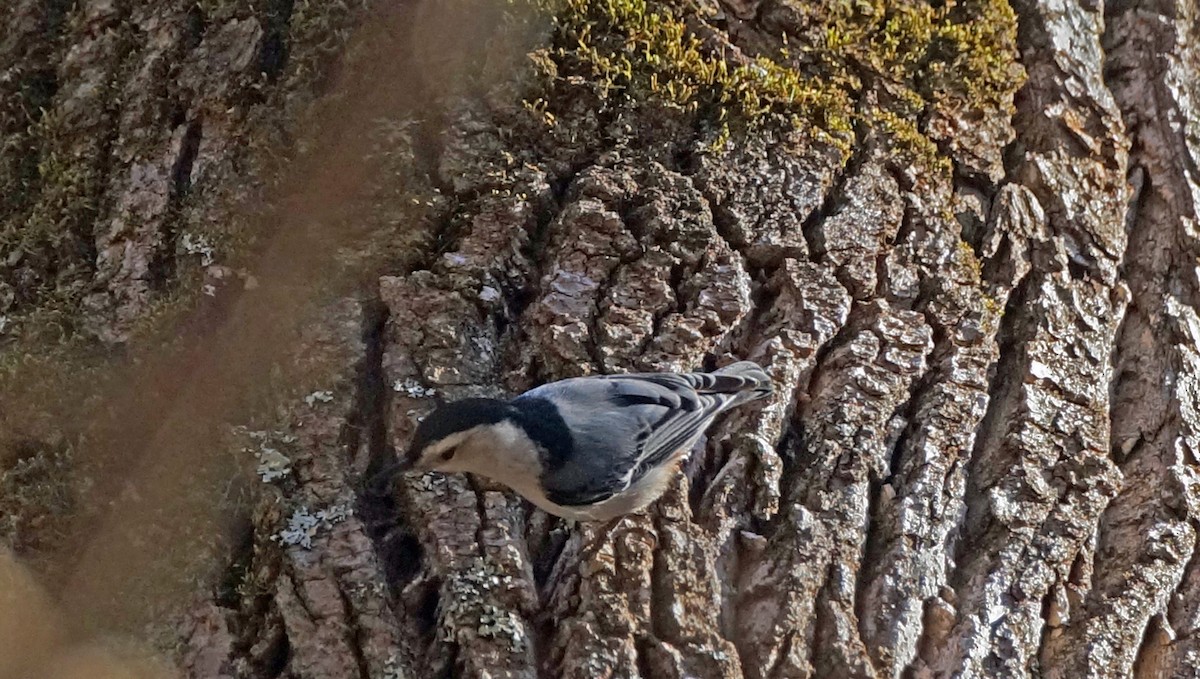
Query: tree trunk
959, 237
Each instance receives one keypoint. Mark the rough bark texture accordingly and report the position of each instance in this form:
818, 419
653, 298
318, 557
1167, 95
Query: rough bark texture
265, 236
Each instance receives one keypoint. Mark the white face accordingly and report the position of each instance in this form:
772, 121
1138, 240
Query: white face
449, 454
499, 451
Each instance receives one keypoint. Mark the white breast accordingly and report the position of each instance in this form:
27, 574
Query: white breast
637, 497
507, 455
634, 499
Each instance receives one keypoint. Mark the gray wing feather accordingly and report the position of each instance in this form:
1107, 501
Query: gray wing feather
624, 425
739, 377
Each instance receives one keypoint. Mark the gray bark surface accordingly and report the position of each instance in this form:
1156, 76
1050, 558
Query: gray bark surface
980, 460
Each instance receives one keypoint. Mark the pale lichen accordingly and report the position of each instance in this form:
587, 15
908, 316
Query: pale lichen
303, 525
322, 396
198, 245
467, 608
412, 388
272, 464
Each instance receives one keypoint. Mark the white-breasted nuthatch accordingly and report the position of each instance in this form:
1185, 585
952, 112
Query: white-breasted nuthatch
585, 448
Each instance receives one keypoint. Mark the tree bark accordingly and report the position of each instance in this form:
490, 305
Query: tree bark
962, 243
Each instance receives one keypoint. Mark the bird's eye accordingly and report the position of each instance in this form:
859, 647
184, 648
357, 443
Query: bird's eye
448, 455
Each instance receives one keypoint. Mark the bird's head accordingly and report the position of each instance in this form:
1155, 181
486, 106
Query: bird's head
452, 437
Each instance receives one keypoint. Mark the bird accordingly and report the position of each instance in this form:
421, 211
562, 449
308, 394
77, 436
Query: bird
591, 448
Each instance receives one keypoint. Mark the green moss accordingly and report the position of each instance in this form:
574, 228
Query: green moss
47, 235
49, 367
72, 183
972, 55
632, 53
992, 305
843, 68
970, 260
317, 30
36, 496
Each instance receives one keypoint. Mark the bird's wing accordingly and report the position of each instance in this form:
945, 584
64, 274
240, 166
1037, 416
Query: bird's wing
741, 377
689, 401
624, 425
669, 416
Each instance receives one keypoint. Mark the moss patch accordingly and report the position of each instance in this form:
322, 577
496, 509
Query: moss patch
840, 69
37, 494
55, 379
630, 50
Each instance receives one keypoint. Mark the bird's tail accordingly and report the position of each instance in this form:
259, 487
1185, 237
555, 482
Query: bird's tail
744, 379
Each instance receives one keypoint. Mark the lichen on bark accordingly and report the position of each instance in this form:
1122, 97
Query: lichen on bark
955, 234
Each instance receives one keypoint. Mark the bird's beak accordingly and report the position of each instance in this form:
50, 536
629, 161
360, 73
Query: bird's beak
411, 463
384, 477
